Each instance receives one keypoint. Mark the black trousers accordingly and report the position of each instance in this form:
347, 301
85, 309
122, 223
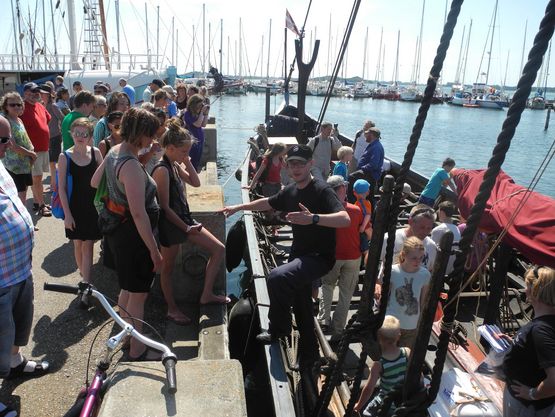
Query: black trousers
290, 285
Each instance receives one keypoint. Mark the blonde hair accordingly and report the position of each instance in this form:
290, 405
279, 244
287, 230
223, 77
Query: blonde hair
83, 122
541, 280
391, 329
410, 244
344, 150
176, 135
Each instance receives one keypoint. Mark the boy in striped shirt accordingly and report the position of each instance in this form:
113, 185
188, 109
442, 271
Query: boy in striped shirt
390, 368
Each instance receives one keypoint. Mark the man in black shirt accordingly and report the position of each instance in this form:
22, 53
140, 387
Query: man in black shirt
314, 211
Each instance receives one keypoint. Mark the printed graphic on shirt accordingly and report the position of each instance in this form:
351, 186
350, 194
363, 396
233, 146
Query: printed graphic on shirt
405, 297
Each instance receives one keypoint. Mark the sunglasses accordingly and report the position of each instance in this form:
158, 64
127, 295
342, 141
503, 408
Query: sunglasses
15, 104
117, 126
81, 134
4, 140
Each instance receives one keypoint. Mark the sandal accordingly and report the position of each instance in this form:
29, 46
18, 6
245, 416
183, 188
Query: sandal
143, 357
19, 371
44, 211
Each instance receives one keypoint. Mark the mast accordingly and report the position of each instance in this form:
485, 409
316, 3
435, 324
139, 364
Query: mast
458, 72
523, 46
72, 34
396, 70
269, 43
466, 53
417, 74
176, 47
491, 41
44, 31
173, 40
329, 49
240, 50
507, 68
53, 33
365, 54
261, 57
209, 40
105, 47
221, 43
547, 71
413, 75
194, 51
147, 46
378, 65
117, 33
157, 35
15, 35
203, 62
228, 55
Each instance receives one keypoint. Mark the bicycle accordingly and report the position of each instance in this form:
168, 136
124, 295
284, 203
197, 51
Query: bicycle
90, 397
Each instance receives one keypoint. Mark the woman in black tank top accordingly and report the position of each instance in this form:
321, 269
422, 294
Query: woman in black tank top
176, 224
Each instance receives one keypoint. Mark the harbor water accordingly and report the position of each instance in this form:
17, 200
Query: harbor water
467, 135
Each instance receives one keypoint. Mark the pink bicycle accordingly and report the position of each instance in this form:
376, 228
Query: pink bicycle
90, 398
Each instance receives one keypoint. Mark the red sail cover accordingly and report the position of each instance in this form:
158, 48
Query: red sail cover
533, 231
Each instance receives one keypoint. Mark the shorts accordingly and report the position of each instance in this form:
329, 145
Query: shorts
427, 200
41, 164
133, 264
16, 310
55, 148
22, 181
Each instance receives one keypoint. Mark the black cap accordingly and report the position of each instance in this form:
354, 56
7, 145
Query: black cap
158, 82
45, 88
31, 86
300, 152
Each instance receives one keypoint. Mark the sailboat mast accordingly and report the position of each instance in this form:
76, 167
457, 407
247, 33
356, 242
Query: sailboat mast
269, 43
53, 33
466, 53
365, 54
203, 67
72, 34
228, 54
157, 36
221, 43
329, 49
209, 40
523, 47
240, 49
397, 59
15, 35
417, 75
104, 35
173, 40
378, 65
507, 68
43, 30
117, 33
547, 71
147, 44
413, 74
194, 51
459, 62
491, 41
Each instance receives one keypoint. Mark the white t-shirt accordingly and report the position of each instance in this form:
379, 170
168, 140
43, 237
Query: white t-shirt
430, 249
404, 299
438, 233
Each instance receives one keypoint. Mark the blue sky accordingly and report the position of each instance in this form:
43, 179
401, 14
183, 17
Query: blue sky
391, 15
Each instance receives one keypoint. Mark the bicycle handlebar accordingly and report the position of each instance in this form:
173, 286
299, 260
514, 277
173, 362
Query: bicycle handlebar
168, 358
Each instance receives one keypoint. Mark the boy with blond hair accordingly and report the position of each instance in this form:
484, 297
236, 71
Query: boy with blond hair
345, 156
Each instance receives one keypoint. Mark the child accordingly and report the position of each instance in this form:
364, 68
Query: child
361, 188
408, 288
80, 213
176, 224
390, 368
345, 156
269, 172
439, 177
445, 213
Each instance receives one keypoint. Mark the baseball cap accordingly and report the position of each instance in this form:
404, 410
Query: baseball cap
158, 82
375, 130
300, 153
335, 181
361, 186
31, 86
45, 88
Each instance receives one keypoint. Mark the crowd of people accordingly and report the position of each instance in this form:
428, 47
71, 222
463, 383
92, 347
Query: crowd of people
143, 157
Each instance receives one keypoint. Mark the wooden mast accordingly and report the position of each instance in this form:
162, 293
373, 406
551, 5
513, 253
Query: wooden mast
105, 47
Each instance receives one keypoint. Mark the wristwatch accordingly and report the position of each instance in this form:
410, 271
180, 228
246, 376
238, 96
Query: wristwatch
532, 393
315, 219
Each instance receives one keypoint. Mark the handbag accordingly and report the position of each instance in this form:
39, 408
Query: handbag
111, 216
56, 202
101, 194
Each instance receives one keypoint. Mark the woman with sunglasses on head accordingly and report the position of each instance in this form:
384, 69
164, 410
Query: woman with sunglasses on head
80, 213
20, 155
529, 365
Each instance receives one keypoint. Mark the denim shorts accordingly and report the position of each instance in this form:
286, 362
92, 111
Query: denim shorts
16, 310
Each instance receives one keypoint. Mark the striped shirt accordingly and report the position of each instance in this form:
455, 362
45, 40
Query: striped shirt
16, 234
393, 372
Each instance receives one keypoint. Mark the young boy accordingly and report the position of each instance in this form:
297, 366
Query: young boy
439, 177
390, 368
345, 155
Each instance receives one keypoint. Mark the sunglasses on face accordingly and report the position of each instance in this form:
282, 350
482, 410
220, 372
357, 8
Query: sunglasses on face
15, 104
79, 134
4, 140
117, 126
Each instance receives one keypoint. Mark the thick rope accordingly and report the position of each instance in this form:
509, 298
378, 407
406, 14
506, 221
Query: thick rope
355, 392
514, 113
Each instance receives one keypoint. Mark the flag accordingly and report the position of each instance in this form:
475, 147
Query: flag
290, 24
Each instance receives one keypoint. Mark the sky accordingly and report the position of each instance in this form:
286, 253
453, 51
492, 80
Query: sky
395, 17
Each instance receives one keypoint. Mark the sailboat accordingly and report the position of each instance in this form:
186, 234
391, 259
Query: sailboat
412, 92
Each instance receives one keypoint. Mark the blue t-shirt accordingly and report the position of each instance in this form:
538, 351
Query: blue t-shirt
172, 109
341, 169
433, 187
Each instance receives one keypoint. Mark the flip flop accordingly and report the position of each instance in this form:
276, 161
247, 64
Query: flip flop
19, 371
184, 321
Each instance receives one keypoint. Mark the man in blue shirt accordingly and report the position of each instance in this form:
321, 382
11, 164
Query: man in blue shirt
370, 163
127, 89
16, 279
439, 178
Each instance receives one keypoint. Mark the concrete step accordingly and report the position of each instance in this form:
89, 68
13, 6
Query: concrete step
204, 388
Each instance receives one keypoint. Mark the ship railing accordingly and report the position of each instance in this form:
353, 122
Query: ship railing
63, 62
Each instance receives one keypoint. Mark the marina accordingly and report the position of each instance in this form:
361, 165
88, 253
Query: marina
222, 368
